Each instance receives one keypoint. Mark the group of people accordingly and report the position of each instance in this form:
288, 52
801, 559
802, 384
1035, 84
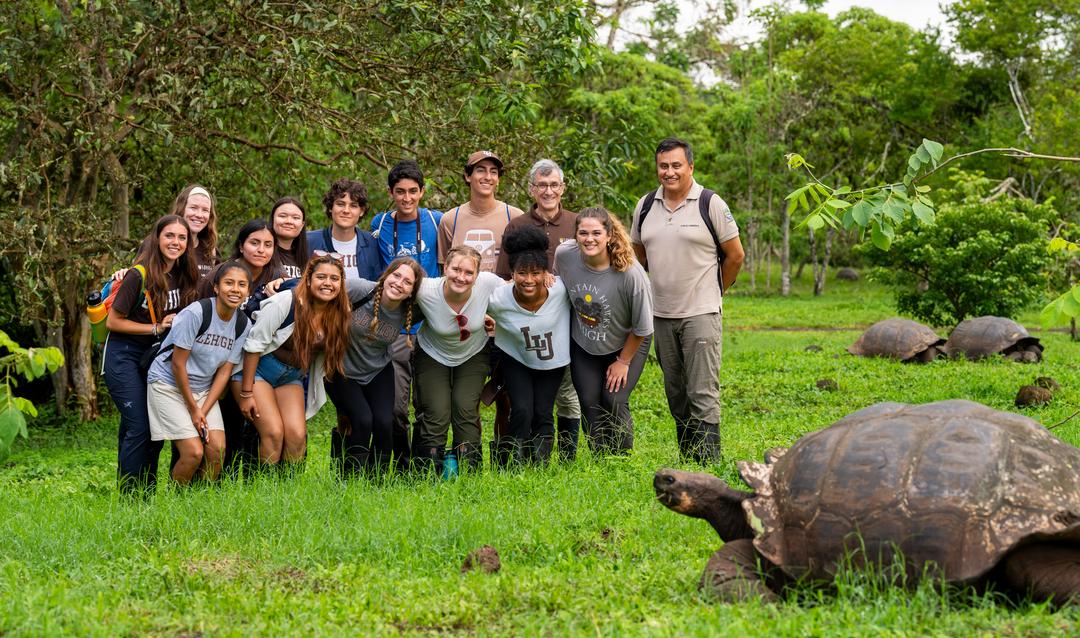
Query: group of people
548, 314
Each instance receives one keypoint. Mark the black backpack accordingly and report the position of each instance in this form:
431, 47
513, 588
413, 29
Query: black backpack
207, 317
703, 208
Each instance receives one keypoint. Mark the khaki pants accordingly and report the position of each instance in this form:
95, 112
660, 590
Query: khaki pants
689, 353
566, 401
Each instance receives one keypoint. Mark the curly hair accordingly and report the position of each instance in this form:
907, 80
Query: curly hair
344, 186
620, 252
331, 317
418, 276
208, 236
526, 247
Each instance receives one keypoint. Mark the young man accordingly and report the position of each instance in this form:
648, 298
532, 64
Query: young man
546, 185
479, 222
345, 203
673, 242
406, 231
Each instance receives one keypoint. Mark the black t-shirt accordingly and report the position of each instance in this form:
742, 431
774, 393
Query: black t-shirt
132, 305
290, 269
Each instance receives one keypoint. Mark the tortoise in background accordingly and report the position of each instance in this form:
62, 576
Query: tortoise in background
980, 496
902, 339
985, 336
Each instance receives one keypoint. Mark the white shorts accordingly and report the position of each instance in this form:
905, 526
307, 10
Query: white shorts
169, 416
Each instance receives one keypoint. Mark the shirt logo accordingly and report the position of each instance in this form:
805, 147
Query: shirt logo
540, 344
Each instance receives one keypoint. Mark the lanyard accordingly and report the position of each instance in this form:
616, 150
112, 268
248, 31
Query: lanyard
394, 215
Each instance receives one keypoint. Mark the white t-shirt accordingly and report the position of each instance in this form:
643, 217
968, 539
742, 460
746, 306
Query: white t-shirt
347, 249
440, 336
539, 340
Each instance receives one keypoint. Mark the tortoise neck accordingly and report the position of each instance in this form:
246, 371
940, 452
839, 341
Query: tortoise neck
724, 512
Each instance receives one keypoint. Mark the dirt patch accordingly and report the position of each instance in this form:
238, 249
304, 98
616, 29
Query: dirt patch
485, 559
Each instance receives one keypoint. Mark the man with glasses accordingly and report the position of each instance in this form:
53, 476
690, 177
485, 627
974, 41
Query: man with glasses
547, 185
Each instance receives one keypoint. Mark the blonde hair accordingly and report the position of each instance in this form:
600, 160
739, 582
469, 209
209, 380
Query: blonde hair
464, 251
620, 252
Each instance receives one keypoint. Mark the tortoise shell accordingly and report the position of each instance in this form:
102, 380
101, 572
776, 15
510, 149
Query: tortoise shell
953, 483
985, 336
896, 338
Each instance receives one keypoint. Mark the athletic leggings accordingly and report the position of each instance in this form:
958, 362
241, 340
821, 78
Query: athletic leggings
369, 409
137, 454
609, 425
532, 397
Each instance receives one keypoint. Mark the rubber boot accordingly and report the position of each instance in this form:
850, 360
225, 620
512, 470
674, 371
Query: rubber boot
506, 452
470, 458
427, 461
683, 435
540, 450
568, 438
706, 441
337, 452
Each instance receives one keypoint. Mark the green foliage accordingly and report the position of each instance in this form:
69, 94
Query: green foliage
976, 259
29, 364
1065, 308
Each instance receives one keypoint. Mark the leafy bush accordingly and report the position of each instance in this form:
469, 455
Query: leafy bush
29, 363
979, 258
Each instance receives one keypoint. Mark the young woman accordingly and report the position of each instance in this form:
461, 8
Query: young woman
197, 207
612, 325
255, 245
532, 330
297, 334
141, 313
192, 371
288, 218
451, 363
365, 392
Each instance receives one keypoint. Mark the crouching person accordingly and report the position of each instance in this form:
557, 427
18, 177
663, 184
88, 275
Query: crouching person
192, 371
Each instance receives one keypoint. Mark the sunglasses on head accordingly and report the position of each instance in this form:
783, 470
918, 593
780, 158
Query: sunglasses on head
334, 256
464, 332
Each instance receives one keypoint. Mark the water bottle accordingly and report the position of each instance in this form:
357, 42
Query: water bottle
449, 466
97, 312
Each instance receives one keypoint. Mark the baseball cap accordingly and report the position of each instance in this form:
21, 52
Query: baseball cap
480, 156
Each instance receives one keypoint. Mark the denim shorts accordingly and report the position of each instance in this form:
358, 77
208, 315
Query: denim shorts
273, 371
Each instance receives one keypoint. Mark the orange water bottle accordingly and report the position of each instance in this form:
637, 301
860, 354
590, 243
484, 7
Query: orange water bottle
97, 312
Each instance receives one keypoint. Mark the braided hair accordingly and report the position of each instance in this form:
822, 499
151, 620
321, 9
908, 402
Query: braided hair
418, 276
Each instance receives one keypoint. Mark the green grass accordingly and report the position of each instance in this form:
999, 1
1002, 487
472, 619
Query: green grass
586, 549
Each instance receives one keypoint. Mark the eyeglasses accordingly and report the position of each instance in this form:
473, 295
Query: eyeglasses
555, 186
463, 332
334, 256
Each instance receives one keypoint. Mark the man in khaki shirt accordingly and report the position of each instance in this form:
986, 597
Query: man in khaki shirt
675, 245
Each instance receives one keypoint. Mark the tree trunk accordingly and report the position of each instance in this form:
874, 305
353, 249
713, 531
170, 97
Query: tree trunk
820, 273
768, 267
785, 254
751, 233
118, 185
814, 266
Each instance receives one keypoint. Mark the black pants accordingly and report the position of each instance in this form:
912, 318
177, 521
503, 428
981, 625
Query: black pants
137, 455
369, 409
609, 425
532, 399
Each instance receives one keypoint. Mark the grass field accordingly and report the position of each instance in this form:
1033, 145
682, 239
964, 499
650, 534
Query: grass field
585, 548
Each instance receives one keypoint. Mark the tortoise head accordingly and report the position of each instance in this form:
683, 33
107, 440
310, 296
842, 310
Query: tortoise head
704, 496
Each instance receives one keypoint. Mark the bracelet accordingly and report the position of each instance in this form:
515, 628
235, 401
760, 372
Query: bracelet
154, 330
246, 395
625, 363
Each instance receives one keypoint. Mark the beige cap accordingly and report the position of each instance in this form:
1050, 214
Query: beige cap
480, 156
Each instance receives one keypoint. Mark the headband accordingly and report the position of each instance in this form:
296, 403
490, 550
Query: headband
199, 190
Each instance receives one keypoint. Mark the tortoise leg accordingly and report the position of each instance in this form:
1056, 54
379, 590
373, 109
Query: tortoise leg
1048, 571
733, 574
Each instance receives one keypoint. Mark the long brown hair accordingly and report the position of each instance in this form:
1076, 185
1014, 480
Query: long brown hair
157, 284
620, 252
208, 236
334, 317
418, 276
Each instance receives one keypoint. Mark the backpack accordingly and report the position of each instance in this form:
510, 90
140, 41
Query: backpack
108, 296
252, 304
703, 208
207, 308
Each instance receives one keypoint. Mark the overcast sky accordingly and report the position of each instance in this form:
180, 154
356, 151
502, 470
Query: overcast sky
917, 13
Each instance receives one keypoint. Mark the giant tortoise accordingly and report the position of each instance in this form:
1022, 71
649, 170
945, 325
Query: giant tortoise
985, 336
903, 339
962, 491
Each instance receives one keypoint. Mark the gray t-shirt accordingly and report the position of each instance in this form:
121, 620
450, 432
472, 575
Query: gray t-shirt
208, 352
368, 353
607, 304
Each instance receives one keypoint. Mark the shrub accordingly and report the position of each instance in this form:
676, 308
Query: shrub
979, 258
